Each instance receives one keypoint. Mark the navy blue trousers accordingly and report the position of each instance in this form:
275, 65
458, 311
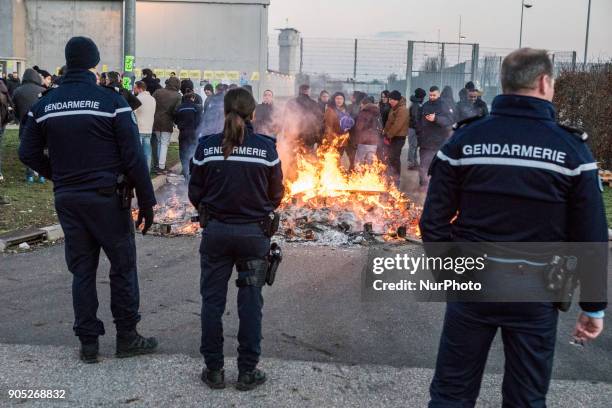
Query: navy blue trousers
529, 332
92, 222
222, 245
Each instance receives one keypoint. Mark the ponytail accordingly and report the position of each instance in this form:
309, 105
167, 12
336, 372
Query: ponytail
233, 133
239, 106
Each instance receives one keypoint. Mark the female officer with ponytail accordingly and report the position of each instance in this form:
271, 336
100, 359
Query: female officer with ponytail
236, 183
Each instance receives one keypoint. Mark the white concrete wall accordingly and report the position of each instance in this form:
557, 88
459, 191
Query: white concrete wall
205, 36
50, 24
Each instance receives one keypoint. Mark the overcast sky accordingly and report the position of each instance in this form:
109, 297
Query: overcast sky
550, 24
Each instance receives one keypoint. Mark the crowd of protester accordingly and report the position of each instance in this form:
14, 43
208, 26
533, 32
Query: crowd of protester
364, 129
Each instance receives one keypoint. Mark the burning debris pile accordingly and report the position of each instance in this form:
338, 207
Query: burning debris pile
174, 214
329, 205
324, 204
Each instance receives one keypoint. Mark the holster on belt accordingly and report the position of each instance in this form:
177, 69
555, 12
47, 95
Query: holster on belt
562, 278
125, 191
269, 225
203, 215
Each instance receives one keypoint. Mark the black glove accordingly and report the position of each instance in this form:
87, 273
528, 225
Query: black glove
147, 215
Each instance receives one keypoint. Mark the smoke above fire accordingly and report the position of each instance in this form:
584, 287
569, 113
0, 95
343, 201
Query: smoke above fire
324, 202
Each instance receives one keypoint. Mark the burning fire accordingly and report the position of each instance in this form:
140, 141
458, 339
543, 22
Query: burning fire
323, 202
365, 193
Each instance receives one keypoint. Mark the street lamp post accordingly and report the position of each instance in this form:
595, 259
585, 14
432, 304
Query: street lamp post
523, 7
586, 42
460, 37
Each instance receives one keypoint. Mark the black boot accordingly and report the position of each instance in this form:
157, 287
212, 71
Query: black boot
89, 351
131, 344
215, 379
248, 380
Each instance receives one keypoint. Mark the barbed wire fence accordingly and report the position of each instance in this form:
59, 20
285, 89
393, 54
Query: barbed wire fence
373, 65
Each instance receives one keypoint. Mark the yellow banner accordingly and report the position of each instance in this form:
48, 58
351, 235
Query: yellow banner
220, 75
169, 72
137, 73
255, 76
208, 75
159, 72
195, 74
233, 76
104, 67
183, 74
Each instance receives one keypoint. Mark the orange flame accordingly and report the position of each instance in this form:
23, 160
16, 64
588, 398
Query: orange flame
322, 182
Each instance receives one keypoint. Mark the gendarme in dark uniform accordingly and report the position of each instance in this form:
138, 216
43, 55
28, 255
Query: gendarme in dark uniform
92, 139
238, 192
515, 176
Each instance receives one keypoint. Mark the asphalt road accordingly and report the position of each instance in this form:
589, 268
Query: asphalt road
313, 313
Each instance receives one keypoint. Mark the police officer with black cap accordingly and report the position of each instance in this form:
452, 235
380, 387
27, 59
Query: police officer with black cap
236, 183
515, 176
95, 160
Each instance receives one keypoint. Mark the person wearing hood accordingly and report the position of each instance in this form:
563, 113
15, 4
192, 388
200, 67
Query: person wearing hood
471, 107
151, 82
436, 121
415, 127
368, 129
26, 95
448, 98
395, 133
114, 81
213, 116
167, 101
187, 87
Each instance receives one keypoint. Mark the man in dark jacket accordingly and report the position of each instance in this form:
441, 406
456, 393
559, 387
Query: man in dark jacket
26, 95
471, 107
187, 117
265, 120
187, 87
304, 118
92, 138
12, 82
414, 127
151, 82
436, 122
213, 114
167, 101
114, 81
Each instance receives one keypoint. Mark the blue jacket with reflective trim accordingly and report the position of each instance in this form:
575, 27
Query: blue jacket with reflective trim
92, 137
243, 188
515, 176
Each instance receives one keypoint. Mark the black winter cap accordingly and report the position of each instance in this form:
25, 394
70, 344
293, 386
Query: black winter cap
395, 95
81, 53
420, 93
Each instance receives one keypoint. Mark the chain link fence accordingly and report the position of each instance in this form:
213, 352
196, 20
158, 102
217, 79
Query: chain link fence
373, 65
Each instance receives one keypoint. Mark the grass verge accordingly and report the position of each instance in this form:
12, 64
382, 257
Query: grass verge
31, 205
